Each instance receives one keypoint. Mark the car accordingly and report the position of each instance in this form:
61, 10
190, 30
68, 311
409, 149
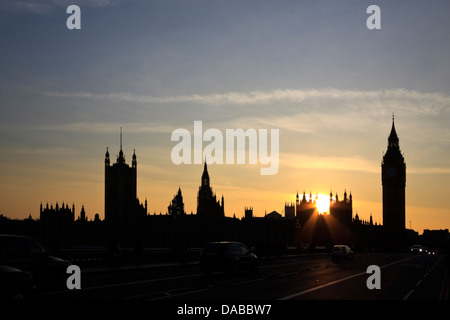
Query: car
15, 284
341, 252
227, 256
27, 254
418, 249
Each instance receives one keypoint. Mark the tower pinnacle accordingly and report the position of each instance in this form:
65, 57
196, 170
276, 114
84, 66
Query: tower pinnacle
205, 175
393, 138
121, 158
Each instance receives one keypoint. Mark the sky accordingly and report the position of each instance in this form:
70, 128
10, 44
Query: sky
311, 69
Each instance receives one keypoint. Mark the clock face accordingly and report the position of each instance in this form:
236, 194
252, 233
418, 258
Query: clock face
392, 173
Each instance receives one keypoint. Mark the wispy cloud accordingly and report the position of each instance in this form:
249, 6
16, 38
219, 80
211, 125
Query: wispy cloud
308, 161
47, 6
430, 170
375, 101
312, 161
107, 127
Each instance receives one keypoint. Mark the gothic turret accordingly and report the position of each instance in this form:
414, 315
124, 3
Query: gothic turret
134, 161
121, 158
207, 204
107, 161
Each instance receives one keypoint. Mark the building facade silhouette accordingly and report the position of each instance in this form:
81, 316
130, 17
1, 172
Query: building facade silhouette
176, 206
208, 207
121, 202
58, 215
305, 209
393, 178
128, 224
342, 210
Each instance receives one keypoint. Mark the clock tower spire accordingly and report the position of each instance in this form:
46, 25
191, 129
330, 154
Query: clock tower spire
393, 178
393, 138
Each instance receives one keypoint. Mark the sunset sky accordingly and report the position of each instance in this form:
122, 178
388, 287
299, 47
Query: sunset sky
311, 69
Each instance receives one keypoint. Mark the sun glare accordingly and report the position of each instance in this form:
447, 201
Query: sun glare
323, 203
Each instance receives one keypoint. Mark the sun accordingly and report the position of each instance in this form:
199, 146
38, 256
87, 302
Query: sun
322, 202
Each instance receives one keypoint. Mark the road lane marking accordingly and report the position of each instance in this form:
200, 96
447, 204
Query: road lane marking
180, 294
120, 284
423, 277
246, 281
320, 287
318, 268
140, 282
155, 293
288, 273
283, 264
443, 293
297, 294
409, 293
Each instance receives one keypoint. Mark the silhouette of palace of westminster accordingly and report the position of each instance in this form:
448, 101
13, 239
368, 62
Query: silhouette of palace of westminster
127, 222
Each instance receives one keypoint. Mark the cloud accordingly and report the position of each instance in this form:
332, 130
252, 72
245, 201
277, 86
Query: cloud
108, 127
369, 101
312, 161
308, 161
42, 7
429, 170
324, 111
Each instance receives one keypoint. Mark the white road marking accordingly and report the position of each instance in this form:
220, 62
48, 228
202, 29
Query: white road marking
420, 281
409, 293
297, 294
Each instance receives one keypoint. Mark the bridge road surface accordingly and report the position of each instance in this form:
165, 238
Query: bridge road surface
403, 277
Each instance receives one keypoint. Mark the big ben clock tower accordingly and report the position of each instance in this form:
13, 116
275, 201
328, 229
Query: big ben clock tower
393, 178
